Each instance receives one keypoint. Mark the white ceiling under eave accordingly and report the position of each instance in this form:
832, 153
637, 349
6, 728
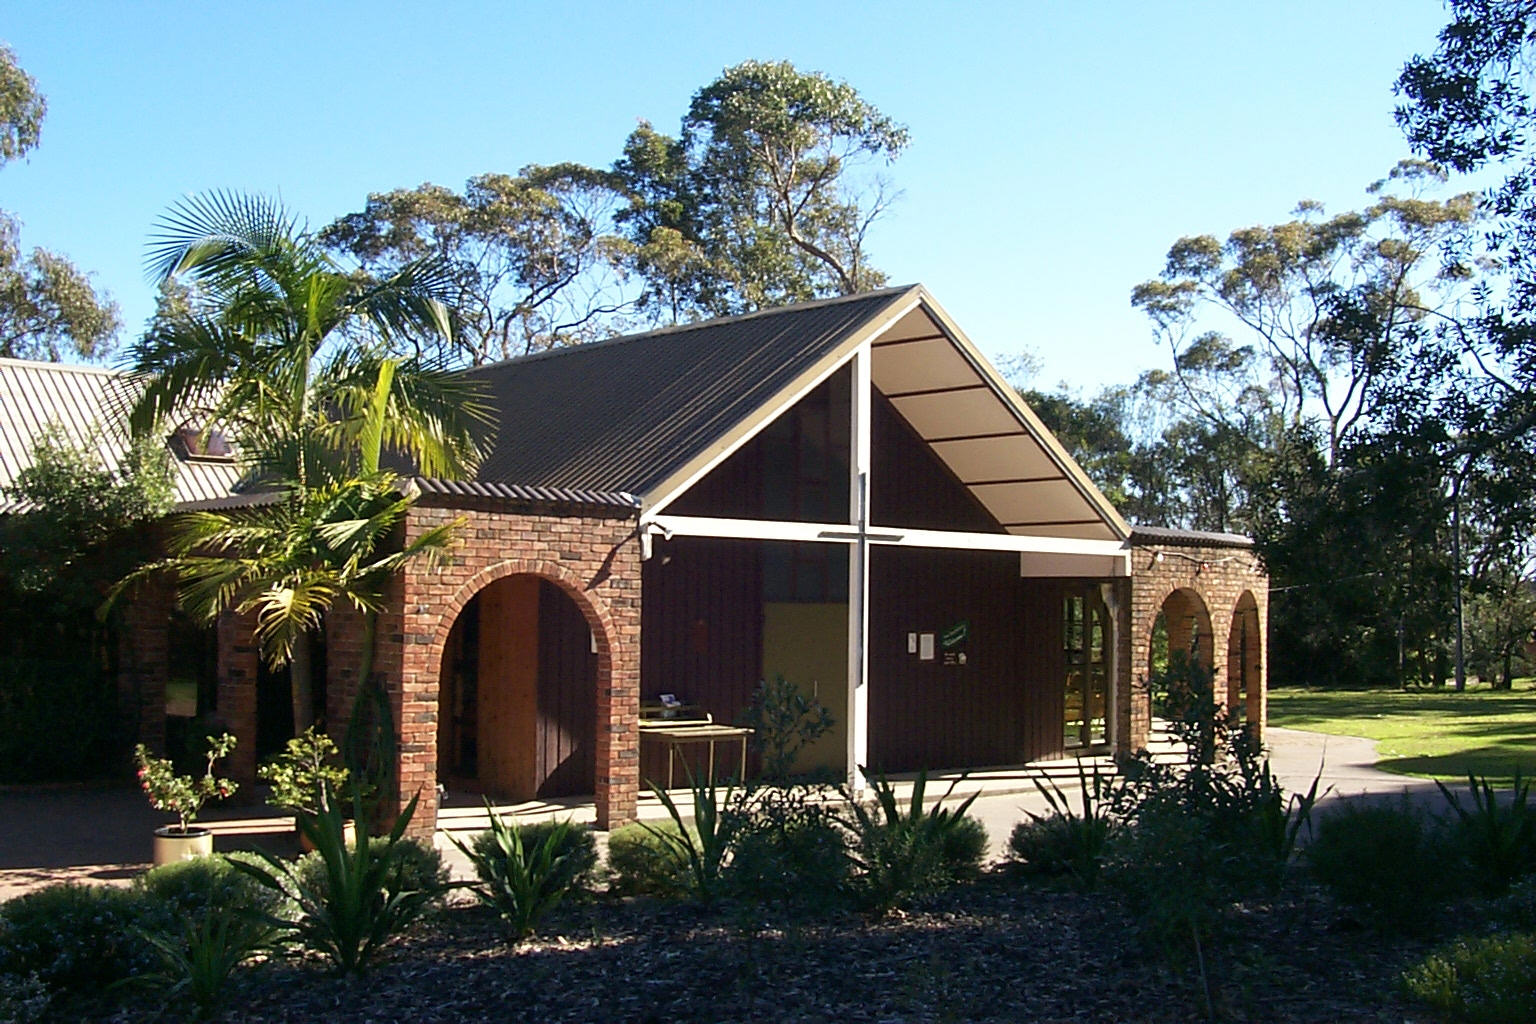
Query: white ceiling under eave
976, 424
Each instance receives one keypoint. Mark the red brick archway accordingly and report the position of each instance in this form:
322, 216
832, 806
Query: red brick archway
1245, 693
1205, 582
594, 560
533, 732
1187, 621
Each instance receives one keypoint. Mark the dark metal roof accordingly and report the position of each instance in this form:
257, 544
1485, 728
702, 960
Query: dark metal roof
1188, 538
620, 416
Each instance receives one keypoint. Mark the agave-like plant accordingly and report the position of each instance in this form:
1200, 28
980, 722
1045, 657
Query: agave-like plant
900, 853
364, 900
522, 881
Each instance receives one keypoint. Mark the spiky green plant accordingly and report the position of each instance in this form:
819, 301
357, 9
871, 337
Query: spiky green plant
701, 851
523, 883
899, 853
364, 901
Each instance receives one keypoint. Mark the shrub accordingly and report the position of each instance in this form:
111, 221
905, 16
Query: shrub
365, 898
1388, 863
1518, 906
1065, 842
191, 887
641, 863
307, 773
1177, 880
1497, 837
74, 938
902, 853
784, 721
23, 1000
963, 848
787, 851
1480, 981
524, 875
578, 848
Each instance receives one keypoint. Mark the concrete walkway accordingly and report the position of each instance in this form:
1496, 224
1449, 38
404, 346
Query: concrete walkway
102, 834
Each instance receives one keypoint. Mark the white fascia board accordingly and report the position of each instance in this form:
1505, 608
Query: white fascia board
671, 490
846, 533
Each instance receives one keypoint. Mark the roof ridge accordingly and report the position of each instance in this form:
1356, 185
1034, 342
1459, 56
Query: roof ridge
794, 307
44, 364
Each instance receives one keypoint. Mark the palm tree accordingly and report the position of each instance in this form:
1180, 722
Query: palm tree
276, 343
279, 344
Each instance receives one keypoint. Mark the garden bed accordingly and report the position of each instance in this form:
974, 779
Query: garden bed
999, 949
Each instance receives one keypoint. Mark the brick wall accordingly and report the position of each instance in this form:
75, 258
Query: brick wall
593, 558
1216, 587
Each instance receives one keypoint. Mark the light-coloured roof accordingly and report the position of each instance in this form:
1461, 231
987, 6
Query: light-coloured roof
86, 403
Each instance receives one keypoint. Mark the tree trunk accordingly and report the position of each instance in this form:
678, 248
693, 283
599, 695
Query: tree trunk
302, 683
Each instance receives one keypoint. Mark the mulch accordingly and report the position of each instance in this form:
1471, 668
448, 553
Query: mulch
996, 950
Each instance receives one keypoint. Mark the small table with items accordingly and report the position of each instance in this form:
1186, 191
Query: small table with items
674, 723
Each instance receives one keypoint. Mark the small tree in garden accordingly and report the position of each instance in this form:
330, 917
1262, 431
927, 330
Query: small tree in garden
307, 774
184, 795
784, 721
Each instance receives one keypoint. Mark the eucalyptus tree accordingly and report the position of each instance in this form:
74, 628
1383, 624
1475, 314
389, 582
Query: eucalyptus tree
48, 306
532, 259
272, 341
766, 196
1329, 310
1303, 355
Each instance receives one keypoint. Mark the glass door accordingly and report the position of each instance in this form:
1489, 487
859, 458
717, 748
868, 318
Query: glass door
1085, 640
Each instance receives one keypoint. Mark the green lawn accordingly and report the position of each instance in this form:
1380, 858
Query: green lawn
1433, 734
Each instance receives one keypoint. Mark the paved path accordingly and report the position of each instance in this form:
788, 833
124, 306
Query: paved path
102, 833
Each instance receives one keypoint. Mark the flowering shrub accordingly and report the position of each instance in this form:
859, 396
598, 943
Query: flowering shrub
183, 795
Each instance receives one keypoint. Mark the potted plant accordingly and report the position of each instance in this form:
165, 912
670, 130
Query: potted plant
308, 778
183, 796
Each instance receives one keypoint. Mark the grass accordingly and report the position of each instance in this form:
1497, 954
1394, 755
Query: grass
1437, 734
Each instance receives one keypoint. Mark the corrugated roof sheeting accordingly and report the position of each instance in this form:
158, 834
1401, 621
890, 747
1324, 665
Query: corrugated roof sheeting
620, 415
85, 402
520, 492
1188, 538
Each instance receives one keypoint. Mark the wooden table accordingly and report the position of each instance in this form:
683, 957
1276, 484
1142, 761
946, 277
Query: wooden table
676, 732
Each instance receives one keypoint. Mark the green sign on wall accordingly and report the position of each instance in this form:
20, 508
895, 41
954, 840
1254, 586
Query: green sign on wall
956, 635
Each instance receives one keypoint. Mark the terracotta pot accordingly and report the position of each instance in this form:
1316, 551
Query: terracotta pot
348, 834
173, 846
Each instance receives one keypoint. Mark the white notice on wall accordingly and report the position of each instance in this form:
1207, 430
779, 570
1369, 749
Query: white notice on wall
925, 647
911, 643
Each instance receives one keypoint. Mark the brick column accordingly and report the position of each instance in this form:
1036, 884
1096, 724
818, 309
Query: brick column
144, 662
239, 663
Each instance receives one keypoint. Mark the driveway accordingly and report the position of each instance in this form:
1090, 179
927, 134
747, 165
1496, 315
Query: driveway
102, 833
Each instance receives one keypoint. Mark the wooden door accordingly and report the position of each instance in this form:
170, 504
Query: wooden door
565, 732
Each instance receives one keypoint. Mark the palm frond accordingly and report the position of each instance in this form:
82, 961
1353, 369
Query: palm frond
213, 233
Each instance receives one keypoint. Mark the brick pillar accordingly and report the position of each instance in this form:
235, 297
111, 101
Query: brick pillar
144, 662
239, 664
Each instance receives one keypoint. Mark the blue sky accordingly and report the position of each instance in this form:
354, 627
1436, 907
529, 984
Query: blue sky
1058, 148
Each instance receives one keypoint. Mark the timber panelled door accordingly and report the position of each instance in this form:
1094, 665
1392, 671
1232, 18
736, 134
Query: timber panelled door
1085, 643
517, 718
